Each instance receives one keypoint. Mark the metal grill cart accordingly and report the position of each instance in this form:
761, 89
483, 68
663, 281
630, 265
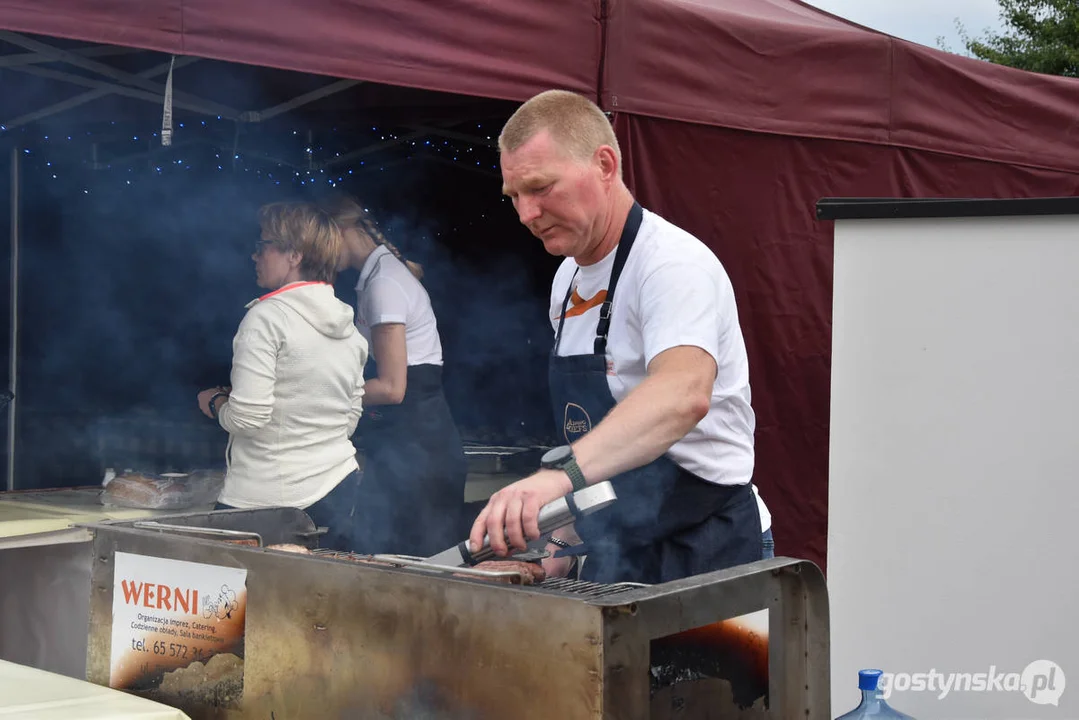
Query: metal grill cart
330, 634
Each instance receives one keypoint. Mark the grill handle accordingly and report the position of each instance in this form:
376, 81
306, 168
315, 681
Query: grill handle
552, 516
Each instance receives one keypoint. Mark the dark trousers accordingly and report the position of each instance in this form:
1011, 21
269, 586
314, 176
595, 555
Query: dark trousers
411, 498
336, 511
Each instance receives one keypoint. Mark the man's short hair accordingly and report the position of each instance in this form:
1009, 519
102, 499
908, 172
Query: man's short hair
575, 123
304, 228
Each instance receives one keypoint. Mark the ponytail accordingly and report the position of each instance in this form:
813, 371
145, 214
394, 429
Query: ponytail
371, 229
348, 213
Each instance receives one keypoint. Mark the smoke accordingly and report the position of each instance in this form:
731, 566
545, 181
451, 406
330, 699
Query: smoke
133, 277
132, 282
427, 702
424, 701
489, 284
135, 260
492, 314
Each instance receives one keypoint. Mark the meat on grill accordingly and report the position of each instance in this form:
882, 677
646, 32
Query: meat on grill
289, 547
366, 560
531, 573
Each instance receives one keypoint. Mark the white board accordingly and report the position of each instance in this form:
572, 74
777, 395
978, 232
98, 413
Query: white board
954, 464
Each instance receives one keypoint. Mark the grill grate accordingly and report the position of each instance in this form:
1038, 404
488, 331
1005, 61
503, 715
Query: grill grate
339, 554
563, 586
588, 589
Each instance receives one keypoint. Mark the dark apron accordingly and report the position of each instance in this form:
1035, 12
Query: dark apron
667, 523
411, 497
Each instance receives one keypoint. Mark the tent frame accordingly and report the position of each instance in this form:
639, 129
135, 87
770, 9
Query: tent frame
13, 328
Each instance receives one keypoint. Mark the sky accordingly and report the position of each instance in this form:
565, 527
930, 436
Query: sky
920, 21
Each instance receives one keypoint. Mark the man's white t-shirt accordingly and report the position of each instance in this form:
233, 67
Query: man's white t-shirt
673, 291
388, 293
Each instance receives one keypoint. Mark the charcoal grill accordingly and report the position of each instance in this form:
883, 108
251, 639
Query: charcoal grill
327, 636
558, 585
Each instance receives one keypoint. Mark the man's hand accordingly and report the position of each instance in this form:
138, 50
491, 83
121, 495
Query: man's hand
513, 512
204, 400
557, 567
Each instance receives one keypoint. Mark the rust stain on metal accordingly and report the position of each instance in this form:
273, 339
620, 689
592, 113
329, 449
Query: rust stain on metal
395, 639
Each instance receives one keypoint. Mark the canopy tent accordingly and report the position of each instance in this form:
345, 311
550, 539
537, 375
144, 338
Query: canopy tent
736, 116
783, 67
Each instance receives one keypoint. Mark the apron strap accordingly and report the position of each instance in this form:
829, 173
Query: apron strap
562, 317
625, 244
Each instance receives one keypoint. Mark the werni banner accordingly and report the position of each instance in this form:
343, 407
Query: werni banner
170, 617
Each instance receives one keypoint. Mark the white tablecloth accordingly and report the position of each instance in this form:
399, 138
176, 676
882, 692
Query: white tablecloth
31, 694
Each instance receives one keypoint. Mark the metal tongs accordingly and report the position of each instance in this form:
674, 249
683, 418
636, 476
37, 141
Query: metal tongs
552, 516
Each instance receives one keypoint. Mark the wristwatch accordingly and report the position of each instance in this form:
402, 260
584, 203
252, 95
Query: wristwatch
213, 402
561, 458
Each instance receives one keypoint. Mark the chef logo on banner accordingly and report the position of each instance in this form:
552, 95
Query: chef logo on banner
178, 629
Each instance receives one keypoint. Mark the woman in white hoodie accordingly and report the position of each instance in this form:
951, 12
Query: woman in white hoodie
297, 379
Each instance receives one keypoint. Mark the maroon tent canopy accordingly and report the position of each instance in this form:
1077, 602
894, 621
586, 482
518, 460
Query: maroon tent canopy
780, 66
736, 116
475, 47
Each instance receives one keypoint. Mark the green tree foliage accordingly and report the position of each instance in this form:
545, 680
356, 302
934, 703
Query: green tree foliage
1039, 35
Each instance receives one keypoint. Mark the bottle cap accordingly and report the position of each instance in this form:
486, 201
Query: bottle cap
867, 679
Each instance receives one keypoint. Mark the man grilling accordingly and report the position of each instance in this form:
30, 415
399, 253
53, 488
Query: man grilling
649, 376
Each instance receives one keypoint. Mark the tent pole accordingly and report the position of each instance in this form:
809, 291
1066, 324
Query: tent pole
13, 360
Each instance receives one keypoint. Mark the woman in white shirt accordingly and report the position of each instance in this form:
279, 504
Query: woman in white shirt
411, 498
297, 381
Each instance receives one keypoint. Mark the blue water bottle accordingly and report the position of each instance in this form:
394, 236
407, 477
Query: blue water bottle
872, 705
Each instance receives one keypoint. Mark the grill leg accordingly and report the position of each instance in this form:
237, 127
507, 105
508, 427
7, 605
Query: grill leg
799, 676
796, 598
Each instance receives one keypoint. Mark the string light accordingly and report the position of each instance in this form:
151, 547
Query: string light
76, 158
